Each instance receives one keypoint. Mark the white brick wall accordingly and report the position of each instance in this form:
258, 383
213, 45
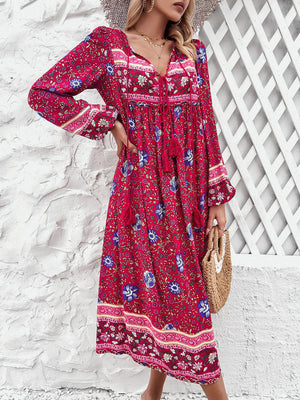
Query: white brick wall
54, 197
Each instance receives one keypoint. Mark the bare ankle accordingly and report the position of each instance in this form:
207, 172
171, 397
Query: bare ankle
150, 395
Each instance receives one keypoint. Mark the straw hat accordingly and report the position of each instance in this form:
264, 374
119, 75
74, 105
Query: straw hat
116, 12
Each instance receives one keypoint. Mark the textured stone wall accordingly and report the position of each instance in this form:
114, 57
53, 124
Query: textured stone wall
54, 195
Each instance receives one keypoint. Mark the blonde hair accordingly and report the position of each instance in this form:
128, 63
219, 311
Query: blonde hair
181, 33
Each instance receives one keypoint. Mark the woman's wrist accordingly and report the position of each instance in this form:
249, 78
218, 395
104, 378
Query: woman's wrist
115, 126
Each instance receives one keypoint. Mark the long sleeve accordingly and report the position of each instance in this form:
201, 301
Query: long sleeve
52, 95
220, 189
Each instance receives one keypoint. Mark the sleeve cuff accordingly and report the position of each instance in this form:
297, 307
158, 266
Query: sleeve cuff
220, 193
101, 123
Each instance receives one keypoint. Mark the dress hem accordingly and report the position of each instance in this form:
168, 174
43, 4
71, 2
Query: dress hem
146, 362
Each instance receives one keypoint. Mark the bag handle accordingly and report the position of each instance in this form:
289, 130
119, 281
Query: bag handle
210, 241
216, 238
217, 242
214, 242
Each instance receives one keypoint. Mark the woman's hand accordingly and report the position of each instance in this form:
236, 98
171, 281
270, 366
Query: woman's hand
218, 213
120, 136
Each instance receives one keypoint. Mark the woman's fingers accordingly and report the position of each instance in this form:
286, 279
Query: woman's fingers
220, 232
211, 217
221, 219
218, 213
132, 147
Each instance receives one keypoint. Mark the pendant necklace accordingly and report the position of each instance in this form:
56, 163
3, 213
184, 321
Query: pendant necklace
149, 40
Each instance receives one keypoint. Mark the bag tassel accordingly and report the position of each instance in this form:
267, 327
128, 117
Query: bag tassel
174, 148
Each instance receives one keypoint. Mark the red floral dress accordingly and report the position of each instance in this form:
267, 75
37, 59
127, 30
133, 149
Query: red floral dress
152, 302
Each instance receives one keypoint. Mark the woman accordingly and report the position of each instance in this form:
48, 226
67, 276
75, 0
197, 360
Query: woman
170, 183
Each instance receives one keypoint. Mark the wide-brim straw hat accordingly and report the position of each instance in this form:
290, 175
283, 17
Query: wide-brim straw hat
116, 12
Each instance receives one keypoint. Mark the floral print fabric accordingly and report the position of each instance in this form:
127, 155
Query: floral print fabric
152, 303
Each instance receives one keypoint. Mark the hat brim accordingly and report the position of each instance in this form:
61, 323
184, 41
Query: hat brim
116, 12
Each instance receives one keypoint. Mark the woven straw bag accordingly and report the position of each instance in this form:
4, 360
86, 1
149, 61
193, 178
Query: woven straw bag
216, 269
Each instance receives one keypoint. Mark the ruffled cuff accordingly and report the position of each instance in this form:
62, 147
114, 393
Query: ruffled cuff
220, 193
101, 123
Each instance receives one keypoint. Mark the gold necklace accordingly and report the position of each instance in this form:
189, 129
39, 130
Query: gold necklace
148, 39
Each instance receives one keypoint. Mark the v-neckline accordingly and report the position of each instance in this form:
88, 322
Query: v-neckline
149, 62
